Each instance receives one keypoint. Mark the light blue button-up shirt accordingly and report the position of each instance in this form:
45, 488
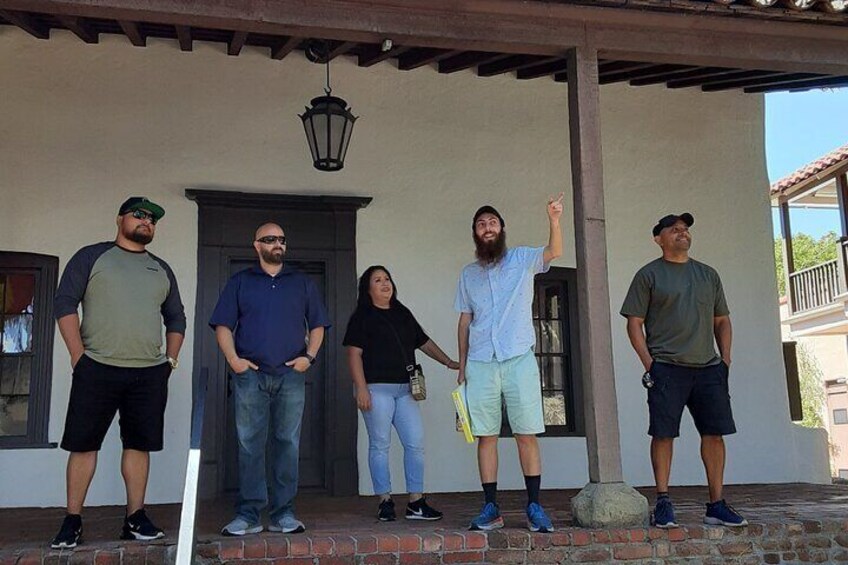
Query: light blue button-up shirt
500, 297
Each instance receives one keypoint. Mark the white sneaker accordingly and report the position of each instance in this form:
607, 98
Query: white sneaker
241, 527
288, 524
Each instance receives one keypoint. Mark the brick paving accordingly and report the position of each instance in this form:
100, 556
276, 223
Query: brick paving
793, 523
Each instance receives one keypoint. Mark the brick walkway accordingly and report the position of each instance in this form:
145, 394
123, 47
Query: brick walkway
789, 523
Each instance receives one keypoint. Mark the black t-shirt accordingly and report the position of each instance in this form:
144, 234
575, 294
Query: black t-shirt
382, 357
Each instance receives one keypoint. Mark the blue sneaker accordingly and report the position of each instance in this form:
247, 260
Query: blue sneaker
664, 514
537, 520
488, 519
722, 514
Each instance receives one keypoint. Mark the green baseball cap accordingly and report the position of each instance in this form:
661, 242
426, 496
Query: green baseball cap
134, 203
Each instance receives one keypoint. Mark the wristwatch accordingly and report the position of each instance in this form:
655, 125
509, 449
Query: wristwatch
310, 357
174, 362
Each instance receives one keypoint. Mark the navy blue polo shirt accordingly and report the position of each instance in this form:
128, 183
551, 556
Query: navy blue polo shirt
270, 316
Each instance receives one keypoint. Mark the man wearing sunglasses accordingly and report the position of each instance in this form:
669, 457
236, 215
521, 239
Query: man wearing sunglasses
127, 295
269, 323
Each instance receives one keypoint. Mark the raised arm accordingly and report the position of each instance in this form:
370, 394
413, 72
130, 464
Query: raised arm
554, 247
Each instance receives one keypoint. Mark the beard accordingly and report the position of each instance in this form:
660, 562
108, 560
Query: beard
489, 252
272, 256
139, 236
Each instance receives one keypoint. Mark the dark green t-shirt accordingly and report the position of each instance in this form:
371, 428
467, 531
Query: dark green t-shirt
678, 302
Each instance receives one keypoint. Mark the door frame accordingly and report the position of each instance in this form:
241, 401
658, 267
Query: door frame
331, 232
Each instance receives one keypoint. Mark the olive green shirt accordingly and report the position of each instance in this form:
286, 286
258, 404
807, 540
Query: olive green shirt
678, 302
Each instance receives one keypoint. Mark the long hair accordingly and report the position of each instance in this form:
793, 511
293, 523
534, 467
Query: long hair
363, 299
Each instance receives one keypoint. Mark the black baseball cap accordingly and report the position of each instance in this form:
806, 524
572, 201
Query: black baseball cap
134, 203
487, 210
671, 219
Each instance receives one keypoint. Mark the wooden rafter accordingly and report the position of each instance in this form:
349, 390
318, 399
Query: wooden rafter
81, 28
768, 79
512, 63
285, 46
649, 71
27, 23
132, 32
340, 48
723, 77
184, 37
546, 69
236, 42
373, 54
420, 57
801, 84
700, 72
467, 60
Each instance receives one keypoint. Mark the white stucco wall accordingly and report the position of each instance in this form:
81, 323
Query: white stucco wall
84, 126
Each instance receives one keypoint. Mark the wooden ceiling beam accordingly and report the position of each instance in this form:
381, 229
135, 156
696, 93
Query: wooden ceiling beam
419, 57
132, 32
801, 85
340, 48
766, 79
467, 60
27, 23
512, 63
700, 72
606, 67
373, 54
184, 37
285, 46
650, 71
723, 77
546, 69
236, 42
80, 28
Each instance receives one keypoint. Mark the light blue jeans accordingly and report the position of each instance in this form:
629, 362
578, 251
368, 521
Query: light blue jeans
268, 404
393, 405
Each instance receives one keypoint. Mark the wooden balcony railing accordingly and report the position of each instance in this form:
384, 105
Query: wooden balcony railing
818, 286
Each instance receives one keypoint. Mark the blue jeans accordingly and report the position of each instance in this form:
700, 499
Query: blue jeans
266, 403
393, 405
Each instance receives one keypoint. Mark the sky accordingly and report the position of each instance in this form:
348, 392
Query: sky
801, 127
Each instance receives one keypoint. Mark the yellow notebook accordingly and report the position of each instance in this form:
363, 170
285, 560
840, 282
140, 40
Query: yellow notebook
462, 420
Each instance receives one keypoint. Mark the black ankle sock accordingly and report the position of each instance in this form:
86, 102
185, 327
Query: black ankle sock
533, 483
490, 491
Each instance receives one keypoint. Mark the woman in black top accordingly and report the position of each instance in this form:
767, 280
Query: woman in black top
382, 336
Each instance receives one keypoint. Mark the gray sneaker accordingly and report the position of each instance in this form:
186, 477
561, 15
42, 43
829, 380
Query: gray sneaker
288, 524
241, 527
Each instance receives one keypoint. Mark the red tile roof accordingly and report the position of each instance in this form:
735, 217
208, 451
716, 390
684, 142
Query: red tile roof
811, 169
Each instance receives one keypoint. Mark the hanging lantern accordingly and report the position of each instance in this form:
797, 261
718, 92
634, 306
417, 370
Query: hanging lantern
328, 123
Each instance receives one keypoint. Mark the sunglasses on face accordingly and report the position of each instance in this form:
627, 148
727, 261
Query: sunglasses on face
270, 239
142, 215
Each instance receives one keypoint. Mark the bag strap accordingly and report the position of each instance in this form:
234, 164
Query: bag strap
409, 366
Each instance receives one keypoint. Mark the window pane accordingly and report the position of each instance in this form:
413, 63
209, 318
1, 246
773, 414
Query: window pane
13, 415
15, 375
552, 297
553, 404
17, 334
550, 369
550, 336
843, 474
840, 416
19, 294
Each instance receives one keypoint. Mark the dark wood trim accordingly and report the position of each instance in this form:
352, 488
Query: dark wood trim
236, 43
285, 46
680, 75
512, 63
26, 23
842, 199
833, 82
788, 257
771, 78
650, 71
132, 32
793, 383
275, 201
421, 57
374, 54
558, 66
467, 60
46, 269
184, 37
80, 28
340, 48
723, 77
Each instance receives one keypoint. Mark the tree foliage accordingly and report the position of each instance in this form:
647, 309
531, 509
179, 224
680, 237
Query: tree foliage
807, 252
811, 379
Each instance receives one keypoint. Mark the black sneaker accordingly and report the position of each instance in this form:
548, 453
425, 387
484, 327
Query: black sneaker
386, 511
138, 526
420, 510
70, 534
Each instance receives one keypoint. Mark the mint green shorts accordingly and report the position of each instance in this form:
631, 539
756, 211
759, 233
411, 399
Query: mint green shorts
516, 381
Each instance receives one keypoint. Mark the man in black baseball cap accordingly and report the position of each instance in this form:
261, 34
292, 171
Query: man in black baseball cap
671, 219
134, 203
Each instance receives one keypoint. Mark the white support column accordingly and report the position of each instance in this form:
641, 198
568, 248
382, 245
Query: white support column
606, 501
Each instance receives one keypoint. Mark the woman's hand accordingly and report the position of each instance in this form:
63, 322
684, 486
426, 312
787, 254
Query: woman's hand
452, 365
363, 399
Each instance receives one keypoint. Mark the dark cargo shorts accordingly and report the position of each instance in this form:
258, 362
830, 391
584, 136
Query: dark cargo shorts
704, 390
98, 391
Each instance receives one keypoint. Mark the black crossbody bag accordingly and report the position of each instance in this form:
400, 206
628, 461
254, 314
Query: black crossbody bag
417, 383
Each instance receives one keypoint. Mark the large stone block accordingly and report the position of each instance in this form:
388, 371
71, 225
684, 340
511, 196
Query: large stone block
609, 505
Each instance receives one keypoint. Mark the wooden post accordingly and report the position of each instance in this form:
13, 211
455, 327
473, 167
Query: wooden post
842, 252
606, 490
788, 259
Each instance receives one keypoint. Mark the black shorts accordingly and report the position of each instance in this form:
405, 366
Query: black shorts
704, 390
98, 391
